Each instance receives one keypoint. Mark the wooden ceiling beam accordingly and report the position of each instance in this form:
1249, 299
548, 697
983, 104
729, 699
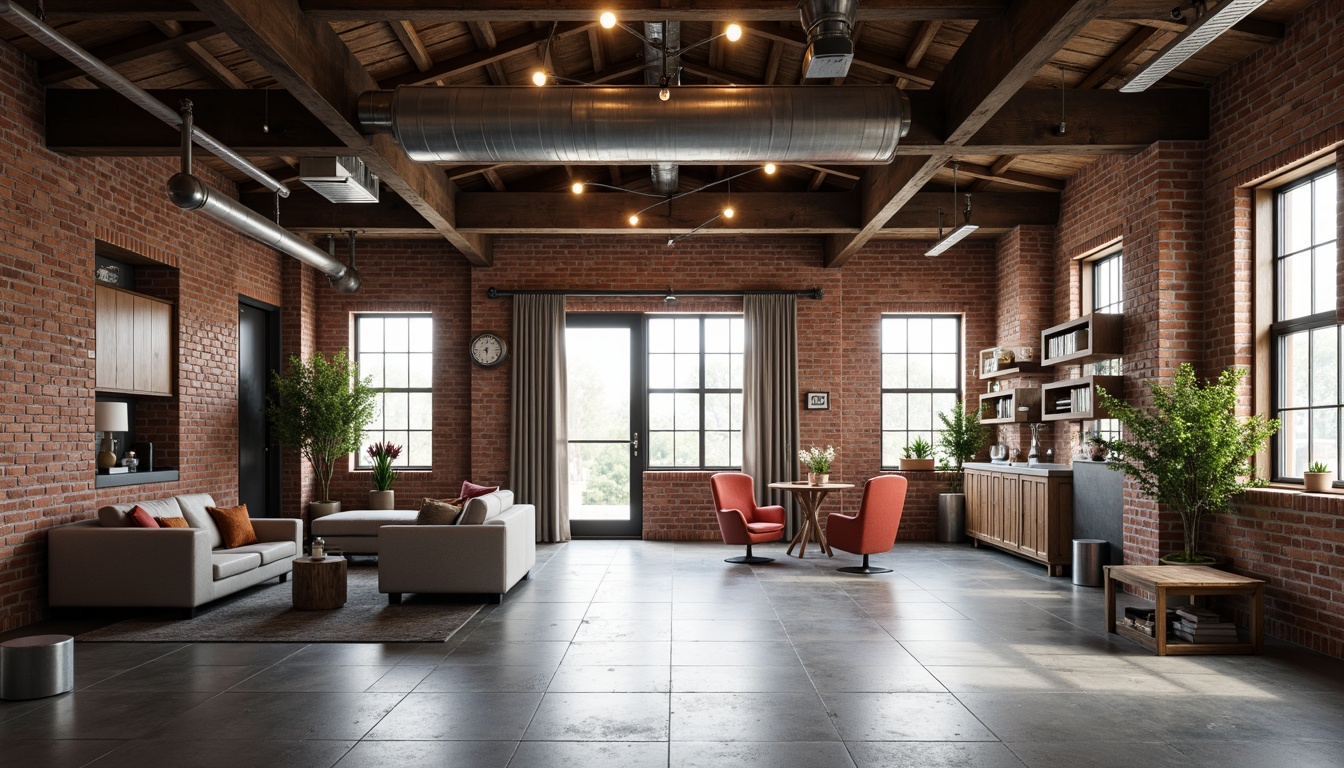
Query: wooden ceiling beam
415, 47
635, 10
1252, 29
1122, 57
126, 50
999, 56
512, 46
1015, 178
198, 55
310, 61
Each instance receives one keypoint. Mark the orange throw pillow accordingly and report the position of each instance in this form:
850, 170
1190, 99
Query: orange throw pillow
234, 525
172, 522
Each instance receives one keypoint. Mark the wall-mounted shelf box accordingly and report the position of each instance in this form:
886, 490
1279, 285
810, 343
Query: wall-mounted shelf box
135, 478
1023, 406
1088, 339
990, 366
1076, 399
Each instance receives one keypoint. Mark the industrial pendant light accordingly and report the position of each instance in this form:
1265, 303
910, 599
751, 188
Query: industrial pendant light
956, 235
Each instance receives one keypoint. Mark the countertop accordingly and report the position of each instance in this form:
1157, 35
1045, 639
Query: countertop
1021, 468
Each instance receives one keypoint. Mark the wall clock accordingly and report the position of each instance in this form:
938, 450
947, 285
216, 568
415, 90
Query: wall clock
488, 350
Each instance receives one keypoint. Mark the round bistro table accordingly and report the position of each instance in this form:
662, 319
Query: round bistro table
319, 585
810, 497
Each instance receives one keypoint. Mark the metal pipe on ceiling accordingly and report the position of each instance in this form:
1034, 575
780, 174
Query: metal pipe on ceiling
629, 124
63, 46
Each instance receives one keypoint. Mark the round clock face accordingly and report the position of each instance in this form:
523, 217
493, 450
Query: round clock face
488, 350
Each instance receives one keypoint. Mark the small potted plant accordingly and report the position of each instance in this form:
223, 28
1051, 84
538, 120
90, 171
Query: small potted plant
818, 463
1097, 446
917, 455
383, 454
1317, 477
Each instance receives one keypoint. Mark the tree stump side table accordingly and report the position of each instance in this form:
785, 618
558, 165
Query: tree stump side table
319, 585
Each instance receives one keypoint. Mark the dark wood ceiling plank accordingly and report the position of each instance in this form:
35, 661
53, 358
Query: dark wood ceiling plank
506, 48
310, 61
863, 57
635, 10
1122, 57
1015, 178
199, 56
415, 47
126, 50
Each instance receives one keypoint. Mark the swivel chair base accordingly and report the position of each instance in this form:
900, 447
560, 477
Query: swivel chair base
749, 559
863, 569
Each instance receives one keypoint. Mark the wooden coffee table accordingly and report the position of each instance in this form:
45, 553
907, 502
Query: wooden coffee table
319, 585
1164, 580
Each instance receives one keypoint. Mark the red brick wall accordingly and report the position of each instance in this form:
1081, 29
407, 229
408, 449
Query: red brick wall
52, 209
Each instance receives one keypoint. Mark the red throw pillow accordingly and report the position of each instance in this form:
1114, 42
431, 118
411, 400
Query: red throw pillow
471, 490
141, 517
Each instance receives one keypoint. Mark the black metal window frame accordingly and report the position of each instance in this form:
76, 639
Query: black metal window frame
957, 392
701, 391
1107, 272
1281, 330
362, 461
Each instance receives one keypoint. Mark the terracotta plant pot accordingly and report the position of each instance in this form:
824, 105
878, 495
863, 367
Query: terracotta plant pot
1317, 482
917, 465
381, 500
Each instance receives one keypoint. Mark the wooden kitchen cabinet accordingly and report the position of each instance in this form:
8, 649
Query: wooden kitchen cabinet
133, 338
1025, 511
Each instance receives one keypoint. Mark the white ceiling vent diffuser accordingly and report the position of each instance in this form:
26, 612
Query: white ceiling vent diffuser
339, 179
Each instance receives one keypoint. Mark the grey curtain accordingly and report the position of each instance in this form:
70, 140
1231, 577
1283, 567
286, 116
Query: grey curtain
770, 397
539, 437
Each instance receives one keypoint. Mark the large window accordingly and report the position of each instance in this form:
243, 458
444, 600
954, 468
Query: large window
695, 391
397, 352
921, 377
1305, 335
1104, 287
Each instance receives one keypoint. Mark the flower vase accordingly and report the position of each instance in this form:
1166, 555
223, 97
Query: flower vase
381, 500
818, 478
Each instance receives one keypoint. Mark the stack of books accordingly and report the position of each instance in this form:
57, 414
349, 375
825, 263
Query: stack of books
1066, 343
1144, 620
1200, 625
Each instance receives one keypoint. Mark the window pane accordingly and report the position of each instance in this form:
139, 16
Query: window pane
945, 334
1324, 435
1297, 219
1295, 373
921, 334
371, 366
687, 411
419, 450
660, 371
735, 449
660, 335
717, 453
660, 449
921, 375
892, 443
921, 410
1293, 439
687, 334
1295, 286
893, 411
893, 334
396, 334
1324, 367
944, 371
1324, 282
688, 449
717, 375
422, 371
893, 372
422, 334
942, 403
422, 410
688, 371
396, 370
735, 400
396, 414
370, 334
739, 331
735, 372
660, 411
717, 334
717, 412
1325, 192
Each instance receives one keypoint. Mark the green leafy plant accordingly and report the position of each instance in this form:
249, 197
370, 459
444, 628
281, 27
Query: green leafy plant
1319, 466
817, 460
960, 439
383, 454
1095, 439
1189, 450
919, 449
321, 408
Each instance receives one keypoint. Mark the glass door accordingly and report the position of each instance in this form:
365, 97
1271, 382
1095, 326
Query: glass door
603, 378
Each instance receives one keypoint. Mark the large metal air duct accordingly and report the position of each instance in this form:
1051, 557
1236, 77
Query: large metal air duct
830, 36
628, 124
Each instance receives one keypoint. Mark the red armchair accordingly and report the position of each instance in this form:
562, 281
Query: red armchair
740, 520
873, 530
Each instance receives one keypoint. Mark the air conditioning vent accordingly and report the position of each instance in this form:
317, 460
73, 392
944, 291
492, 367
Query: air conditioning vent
339, 179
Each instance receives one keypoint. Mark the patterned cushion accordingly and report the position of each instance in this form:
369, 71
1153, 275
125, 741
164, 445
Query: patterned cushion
235, 527
438, 512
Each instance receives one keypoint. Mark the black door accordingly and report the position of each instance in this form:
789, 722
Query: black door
258, 355
604, 371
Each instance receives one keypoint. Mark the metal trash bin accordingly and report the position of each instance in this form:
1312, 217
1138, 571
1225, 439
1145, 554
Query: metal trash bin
37, 666
1089, 555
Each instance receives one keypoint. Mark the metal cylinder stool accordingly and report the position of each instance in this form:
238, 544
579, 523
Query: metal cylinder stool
1089, 556
37, 666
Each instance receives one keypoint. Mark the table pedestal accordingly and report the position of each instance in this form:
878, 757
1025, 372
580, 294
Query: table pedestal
810, 502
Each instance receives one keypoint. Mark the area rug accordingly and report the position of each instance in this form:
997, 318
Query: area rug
266, 613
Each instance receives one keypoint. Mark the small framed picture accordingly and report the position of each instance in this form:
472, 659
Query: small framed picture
818, 401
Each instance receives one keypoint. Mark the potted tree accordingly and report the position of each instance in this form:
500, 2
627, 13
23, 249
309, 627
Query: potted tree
961, 439
321, 408
1189, 450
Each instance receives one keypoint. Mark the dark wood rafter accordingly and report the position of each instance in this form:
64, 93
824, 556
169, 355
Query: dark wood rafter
1122, 57
862, 57
509, 47
307, 57
199, 56
127, 50
415, 47
998, 58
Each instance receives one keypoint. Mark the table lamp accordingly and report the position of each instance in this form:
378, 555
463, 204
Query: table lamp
109, 418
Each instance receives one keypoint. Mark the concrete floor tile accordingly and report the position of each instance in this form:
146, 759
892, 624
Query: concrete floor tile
472, 716
904, 717
226, 754
742, 754
429, 754
62, 753
936, 754
750, 717
600, 717
611, 679
592, 754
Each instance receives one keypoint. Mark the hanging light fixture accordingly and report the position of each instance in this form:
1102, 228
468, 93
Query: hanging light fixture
668, 78
956, 235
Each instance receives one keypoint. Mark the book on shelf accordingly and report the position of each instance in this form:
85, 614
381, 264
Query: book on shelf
1206, 639
1197, 615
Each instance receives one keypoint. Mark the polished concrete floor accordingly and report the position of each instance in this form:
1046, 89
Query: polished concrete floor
659, 654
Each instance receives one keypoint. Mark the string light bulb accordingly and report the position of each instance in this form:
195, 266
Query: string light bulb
664, 93
607, 20
634, 220
577, 188
538, 78
728, 212
734, 33
769, 168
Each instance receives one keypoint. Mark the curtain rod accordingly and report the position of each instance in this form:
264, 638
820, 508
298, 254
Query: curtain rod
810, 293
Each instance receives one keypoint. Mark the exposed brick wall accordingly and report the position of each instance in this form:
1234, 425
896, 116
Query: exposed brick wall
52, 210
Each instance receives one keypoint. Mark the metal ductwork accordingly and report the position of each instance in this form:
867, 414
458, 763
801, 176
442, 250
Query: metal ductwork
661, 38
628, 124
830, 36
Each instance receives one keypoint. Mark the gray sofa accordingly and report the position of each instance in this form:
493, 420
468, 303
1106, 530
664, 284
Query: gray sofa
110, 562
